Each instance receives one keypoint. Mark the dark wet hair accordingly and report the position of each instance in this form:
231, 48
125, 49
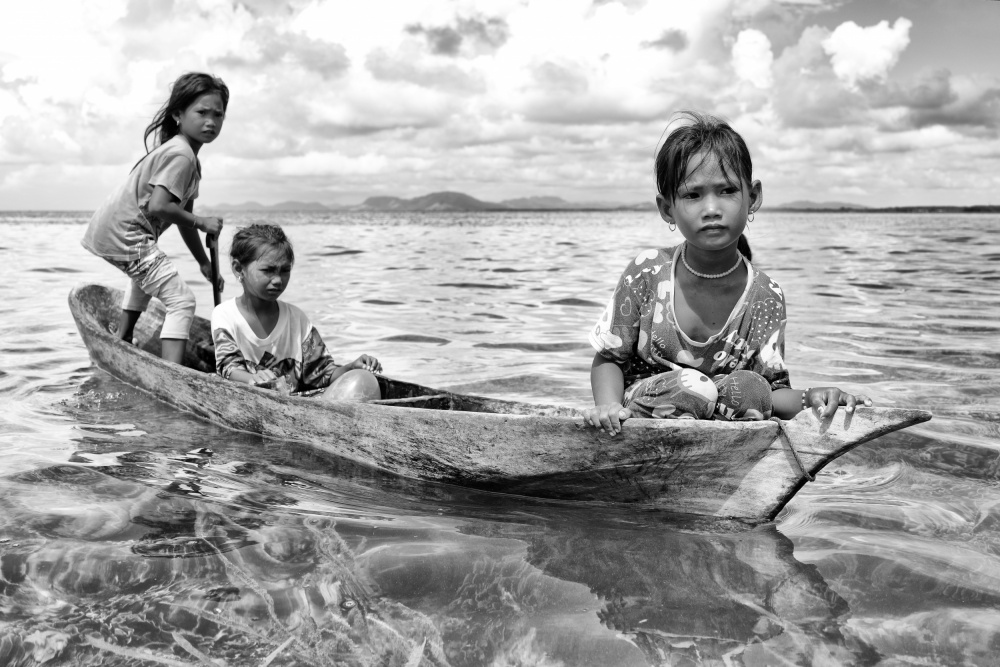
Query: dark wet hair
183, 92
250, 242
703, 132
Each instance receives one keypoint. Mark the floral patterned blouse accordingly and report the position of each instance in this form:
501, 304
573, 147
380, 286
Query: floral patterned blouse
639, 330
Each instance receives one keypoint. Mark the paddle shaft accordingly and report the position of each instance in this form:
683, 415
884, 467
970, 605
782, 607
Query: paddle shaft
212, 243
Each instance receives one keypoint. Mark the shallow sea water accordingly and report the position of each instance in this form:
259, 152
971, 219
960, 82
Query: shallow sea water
133, 534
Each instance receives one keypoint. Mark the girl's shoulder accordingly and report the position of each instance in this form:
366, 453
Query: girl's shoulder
649, 266
173, 147
225, 305
178, 145
225, 310
765, 285
297, 317
292, 309
653, 256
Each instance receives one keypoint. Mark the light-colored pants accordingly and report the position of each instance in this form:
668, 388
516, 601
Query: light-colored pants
155, 275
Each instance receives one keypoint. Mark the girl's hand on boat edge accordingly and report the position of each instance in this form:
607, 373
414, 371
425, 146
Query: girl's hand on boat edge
366, 362
608, 417
827, 399
263, 376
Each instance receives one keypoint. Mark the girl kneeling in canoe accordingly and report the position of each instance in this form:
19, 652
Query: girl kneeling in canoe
696, 331
260, 340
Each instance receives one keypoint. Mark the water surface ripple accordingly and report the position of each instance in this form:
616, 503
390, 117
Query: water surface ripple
132, 534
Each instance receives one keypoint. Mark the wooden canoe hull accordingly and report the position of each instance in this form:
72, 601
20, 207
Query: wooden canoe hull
744, 470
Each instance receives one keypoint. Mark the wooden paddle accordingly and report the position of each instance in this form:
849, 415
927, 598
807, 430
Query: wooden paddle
212, 243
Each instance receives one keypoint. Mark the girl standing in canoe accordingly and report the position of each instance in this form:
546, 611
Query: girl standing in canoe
160, 191
260, 340
696, 331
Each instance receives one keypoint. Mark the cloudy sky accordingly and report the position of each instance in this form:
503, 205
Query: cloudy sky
879, 102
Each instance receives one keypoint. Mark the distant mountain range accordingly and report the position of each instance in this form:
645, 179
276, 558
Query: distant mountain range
439, 201
458, 201
845, 207
818, 206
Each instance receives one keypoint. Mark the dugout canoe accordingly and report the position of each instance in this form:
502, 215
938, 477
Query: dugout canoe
746, 471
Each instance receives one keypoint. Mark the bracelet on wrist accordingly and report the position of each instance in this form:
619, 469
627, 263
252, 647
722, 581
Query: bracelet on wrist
805, 393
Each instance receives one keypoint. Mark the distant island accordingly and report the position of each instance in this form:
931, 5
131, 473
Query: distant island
461, 202
441, 201
830, 207
818, 206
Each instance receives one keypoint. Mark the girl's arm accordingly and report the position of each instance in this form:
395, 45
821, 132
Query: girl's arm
260, 377
364, 362
193, 241
789, 402
786, 402
608, 384
230, 362
616, 335
318, 367
166, 206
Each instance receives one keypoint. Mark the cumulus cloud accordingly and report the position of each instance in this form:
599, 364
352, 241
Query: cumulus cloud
932, 90
806, 91
401, 67
672, 39
752, 58
500, 98
809, 92
971, 106
271, 7
483, 35
265, 46
864, 54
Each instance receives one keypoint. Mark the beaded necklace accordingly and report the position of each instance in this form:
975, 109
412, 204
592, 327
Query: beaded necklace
709, 276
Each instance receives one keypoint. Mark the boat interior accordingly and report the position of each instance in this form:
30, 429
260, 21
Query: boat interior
103, 305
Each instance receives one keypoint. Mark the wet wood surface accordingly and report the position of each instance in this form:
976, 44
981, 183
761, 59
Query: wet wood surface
746, 470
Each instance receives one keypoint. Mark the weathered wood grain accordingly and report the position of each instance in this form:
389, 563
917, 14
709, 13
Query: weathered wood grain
740, 470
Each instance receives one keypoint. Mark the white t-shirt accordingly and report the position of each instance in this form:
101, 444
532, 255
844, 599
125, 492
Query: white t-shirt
122, 228
293, 349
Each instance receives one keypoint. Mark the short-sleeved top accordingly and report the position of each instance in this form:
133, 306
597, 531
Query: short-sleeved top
122, 228
639, 330
293, 350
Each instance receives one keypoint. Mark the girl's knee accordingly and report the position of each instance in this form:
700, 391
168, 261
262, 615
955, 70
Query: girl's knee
177, 297
699, 384
180, 302
745, 379
744, 395
673, 394
354, 385
180, 305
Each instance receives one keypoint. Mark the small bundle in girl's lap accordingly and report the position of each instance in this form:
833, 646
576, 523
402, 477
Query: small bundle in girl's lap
266, 342
696, 331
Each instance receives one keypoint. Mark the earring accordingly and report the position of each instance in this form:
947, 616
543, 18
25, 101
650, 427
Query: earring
239, 278
750, 218
672, 226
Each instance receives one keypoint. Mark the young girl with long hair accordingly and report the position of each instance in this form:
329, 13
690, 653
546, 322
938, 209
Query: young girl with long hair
160, 191
696, 331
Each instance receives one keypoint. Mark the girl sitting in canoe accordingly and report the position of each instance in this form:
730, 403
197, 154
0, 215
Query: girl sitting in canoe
696, 331
262, 341
160, 191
